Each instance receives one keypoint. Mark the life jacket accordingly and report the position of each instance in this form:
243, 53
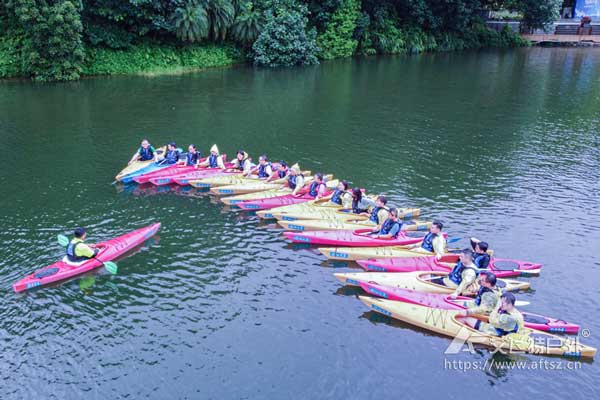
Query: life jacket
502, 332
213, 161
262, 170
241, 164
313, 191
71, 256
482, 290
388, 225
172, 156
356, 209
481, 260
191, 159
456, 274
337, 197
374, 217
281, 174
428, 242
292, 180
146, 154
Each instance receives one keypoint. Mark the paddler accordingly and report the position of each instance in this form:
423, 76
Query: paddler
242, 163
282, 172
480, 256
391, 227
145, 153
215, 160
191, 158
77, 250
360, 203
504, 319
487, 298
341, 195
172, 154
434, 241
295, 179
263, 170
317, 188
379, 213
463, 276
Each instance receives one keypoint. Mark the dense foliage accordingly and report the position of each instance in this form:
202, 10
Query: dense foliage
60, 39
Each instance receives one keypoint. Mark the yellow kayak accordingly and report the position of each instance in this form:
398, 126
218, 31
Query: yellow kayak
233, 178
137, 165
449, 323
309, 205
267, 194
253, 186
417, 280
331, 213
328, 225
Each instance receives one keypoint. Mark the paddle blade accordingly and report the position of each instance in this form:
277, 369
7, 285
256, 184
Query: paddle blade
453, 240
62, 240
111, 267
521, 303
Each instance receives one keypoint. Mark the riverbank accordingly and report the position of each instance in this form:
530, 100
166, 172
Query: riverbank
160, 58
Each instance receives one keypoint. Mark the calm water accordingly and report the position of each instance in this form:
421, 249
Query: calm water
502, 145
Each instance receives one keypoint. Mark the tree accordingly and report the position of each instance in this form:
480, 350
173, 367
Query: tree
247, 25
537, 14
191, 22
338, 38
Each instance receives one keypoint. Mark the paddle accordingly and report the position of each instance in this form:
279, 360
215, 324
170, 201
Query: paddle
110, 266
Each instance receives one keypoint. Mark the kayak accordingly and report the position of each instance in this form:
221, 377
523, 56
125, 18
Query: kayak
363, 253
138, 165
170, 170
500, 267
293, 207
341, 215
348, 225
449, 323
357, 238
235, 178
109, 250
419, 281
252, 185
186, 179
149, 168
445, 302
270, 202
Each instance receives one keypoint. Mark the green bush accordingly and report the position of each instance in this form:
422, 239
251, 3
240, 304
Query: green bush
338, 39
10, 55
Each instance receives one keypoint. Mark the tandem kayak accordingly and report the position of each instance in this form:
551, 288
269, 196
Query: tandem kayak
500, 267
419, 281
138, 165
449, 323
445, 302
347, 225
109, 250
357, 238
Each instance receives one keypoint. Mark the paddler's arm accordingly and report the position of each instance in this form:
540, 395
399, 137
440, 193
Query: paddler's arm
439, 246
468, 279
489, 302
299, 185
135, 157
83, 250
394, 231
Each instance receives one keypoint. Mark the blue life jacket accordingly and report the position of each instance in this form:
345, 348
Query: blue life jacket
337, 197
456, 274
262, 170
282, 174
172, 156
388, 225
71, 253
191, 159
428, 242
481, 260
374, 217
482, 290
356, 209
146, 154
502, 332
314, 188
292, 180
241, 165
212, 161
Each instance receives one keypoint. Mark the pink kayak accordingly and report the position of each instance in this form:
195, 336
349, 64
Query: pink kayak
500, 267
356, 238
272, 202
169, 171
444, 302
109, 250
195, 173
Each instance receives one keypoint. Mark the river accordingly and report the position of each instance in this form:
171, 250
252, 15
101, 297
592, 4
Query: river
503, 145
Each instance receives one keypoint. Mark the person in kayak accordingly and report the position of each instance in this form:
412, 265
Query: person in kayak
242, 163
263, 170
341, 195
391, 227
282, 172
463, 275
360, 203
146, 152
295, 179
215, 160
191, 158
77, 250
172, 155
317, 188
504, 319
379, 213
487, 298
434, 241
480, 256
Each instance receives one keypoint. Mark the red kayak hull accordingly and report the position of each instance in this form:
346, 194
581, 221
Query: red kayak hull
272, 202
354, 238
185, 179
110, 250
444, 302
502, 268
